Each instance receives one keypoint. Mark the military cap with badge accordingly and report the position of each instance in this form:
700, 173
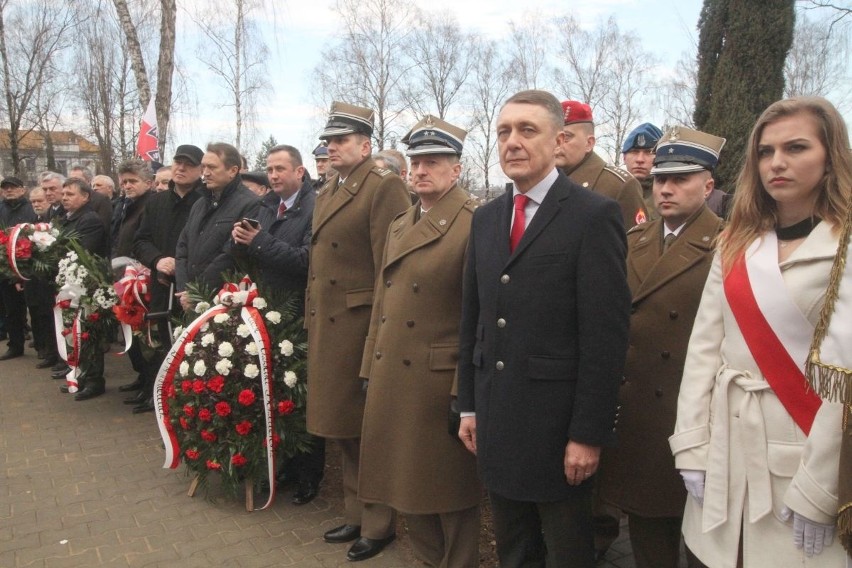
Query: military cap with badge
432, 135
684, 150
344, 119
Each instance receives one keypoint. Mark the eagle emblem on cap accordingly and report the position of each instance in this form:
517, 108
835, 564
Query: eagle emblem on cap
674, 135
641, 139
429, 123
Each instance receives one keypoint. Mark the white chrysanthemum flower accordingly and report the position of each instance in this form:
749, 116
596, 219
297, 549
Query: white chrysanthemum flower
274, 317
243, 330
226, 349
223, 367
252, 349
286, 348
201, 307
177, 331
200, 368
251, 371
290, 379
187, 350
207, 339
259, 303
220, 318
184, 369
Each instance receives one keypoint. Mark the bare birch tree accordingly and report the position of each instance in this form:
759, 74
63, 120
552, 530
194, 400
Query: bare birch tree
528, 49
817, 60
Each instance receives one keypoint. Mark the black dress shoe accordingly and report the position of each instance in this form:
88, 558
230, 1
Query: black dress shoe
63, 389
137, 398
136, 385
147, 406
343, 533
365, 548
305, 492
48, 362
89, 392
11, 354
60, 373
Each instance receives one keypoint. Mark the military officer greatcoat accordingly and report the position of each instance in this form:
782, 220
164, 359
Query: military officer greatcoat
350, 225
408, 459
638, 475
595, 174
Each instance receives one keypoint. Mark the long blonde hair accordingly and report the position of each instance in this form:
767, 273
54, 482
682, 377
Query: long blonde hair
754, 212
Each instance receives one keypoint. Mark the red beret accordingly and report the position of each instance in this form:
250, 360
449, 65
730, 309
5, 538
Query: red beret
575, 111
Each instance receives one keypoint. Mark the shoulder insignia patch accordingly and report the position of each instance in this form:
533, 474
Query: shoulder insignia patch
381, 171
623, 175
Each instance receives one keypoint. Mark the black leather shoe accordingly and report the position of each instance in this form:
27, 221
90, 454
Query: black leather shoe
60, 365
147, 406
365, 548
89, 392
136, 385
63, 389
343, 533
11, 354
60, 373
47, 362
137, 398
305, 492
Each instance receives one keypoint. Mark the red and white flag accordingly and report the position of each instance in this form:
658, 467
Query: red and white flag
148, 144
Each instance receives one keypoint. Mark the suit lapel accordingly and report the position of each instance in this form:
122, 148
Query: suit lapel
545, 214
408, 234
329, 202
688, 249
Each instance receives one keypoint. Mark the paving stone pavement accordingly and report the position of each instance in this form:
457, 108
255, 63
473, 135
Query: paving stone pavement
82, 484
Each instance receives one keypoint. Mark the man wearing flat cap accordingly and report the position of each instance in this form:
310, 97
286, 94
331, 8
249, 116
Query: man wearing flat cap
324, 171
14, 209
638, 154
668, 261
350, 225
577, 158
410, 358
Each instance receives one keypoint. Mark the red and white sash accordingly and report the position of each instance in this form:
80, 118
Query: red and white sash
775, 330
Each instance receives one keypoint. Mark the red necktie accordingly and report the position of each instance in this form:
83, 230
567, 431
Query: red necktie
281, 209
519, 224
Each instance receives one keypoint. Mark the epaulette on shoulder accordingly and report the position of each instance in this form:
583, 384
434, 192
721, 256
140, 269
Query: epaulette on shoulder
381, 171
638, 228
623, 175
471, 205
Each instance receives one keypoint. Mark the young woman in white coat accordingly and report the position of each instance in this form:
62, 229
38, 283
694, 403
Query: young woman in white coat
757, 449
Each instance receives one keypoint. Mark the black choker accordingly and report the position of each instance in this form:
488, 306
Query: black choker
798, 231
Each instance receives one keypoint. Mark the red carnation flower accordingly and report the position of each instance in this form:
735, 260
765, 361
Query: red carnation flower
65, 304
170, 391
192, 454
189, 410
205, 415
198, 386
213, 465
183, 423
94, 317
243, 428
84, 336
23, 248
186, 386
239, 460
216, 384
66, 331
286, 407
223, 409
208, 436
246, 397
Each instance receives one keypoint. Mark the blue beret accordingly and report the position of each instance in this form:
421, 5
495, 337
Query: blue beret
645, 136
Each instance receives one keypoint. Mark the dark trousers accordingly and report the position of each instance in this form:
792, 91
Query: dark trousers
656, 542
92, 366
308, 467
536, 535
16, 314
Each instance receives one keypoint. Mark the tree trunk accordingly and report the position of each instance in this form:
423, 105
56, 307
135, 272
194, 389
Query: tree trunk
14, 121
137, 61
165, 70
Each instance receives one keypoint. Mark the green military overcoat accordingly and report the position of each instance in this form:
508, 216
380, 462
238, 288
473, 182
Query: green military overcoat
350, 224
595, 174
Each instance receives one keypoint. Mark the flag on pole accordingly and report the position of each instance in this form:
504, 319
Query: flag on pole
148, 144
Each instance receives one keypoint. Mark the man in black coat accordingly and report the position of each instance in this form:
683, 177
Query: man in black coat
543, 341
91, 233
278, 249
203, 249
166, 213
14, 209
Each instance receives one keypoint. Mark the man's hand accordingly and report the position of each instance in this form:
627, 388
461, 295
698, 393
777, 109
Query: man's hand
581, 462
243, 234
467, 433
183, 298
166, 265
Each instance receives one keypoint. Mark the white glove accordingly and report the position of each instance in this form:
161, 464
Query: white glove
809, 534
693, 479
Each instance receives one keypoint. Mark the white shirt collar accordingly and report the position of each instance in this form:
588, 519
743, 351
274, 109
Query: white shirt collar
539, 191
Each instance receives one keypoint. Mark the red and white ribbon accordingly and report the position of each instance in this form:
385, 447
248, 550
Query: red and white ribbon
133, 289
12, 246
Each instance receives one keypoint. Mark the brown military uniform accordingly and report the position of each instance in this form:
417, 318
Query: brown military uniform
614, 183
639, 476
408, 459
647, 186
350, 226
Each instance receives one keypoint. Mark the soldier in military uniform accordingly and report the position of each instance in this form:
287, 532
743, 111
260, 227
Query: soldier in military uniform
350, 225
667, 263
324, 171
577, 158
408, 459
638, 154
